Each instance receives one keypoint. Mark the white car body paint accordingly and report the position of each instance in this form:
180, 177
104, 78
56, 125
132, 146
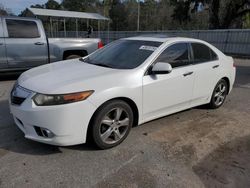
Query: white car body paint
70, 122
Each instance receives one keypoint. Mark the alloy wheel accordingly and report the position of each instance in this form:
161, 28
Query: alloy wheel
114, 125
220, 94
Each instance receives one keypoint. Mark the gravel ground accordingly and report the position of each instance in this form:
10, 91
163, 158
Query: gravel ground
193, 148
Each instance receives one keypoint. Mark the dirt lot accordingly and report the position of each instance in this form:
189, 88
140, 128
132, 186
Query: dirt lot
194, 148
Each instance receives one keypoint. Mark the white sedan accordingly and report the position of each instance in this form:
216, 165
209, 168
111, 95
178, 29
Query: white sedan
129, 82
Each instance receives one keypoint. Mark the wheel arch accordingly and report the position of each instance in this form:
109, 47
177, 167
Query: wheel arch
228, 83
129, 101
67, 53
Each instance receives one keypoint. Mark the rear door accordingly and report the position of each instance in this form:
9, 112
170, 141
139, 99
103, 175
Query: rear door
26, 44
3, 60
206, 68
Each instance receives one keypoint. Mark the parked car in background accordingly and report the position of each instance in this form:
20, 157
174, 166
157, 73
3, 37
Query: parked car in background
128, 82
23, 45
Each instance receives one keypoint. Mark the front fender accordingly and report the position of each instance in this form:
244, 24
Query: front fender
132, 93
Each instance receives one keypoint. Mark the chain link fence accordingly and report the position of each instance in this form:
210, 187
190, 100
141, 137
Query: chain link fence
234, 41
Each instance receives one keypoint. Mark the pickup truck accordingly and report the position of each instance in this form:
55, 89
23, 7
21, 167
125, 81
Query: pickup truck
23, 45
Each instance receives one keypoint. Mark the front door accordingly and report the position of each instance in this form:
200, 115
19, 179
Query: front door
168, 93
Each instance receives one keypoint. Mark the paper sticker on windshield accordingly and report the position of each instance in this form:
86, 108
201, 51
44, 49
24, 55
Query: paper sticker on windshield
150, 48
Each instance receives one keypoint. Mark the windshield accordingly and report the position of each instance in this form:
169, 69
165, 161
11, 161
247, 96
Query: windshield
123, 54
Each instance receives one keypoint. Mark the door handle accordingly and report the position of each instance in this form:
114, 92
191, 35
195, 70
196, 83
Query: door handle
215, 66
39, 43
188, 73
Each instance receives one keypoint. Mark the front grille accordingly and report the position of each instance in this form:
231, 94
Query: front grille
17, 100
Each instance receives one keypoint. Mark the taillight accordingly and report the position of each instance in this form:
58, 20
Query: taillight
100, 44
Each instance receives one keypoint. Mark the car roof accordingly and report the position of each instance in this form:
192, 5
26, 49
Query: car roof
164, 39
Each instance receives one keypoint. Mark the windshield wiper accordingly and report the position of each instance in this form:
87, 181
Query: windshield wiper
87, 60
102, 65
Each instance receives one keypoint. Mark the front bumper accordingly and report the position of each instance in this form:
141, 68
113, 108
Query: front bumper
68, 123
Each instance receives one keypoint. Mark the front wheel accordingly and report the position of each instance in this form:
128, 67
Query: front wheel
219, 94
111, 124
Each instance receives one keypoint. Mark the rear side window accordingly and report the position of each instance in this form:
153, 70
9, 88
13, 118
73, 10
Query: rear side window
22, 29
203, 53
177, 55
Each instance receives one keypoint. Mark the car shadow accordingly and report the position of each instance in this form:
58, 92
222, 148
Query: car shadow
203, 107
227, 166
12, 139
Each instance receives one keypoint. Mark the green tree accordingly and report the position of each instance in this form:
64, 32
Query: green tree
80, 5
118, 16
25, 12
73, 5
5, 11
52, 4
224, 12
164, 12
214, 9
181, 10
149, 17
246, 22
132, 14
37, 6
106, 7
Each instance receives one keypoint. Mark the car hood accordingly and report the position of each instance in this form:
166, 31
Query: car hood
66, 77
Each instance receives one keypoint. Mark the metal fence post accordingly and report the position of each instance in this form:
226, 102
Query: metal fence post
226, 42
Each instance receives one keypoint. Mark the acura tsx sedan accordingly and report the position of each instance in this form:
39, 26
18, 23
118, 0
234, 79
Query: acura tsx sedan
128, 82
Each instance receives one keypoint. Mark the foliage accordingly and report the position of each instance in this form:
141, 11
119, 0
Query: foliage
160, 14
224, 12
118, 16
181, 10
4, 11
246, 23
52, 4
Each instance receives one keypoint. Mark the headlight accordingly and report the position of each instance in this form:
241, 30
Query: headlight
48, 100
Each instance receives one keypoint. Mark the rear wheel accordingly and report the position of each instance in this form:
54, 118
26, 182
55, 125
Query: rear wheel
111, 124
219, 94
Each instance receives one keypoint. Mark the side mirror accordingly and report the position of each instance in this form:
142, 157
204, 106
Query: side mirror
161, 68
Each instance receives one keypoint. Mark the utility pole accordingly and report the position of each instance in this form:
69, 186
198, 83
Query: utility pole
138, 16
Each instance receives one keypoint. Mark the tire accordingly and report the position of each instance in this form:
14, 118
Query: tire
111, 124
219, 94
73, 57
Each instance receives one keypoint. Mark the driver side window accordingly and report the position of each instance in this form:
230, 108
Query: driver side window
177, 55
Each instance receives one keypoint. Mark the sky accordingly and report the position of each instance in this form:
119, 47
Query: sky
16, 6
